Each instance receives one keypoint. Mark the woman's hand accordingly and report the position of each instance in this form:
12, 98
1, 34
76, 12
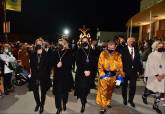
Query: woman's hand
59, 65
159, 78
162, 76
39, 51
87, 73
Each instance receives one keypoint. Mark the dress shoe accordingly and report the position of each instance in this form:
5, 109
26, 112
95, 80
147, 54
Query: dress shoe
41, 109
6, 92
125, 102
109, 106
132, 103
144, 99
58, 111
157, 109
37, 108
82, 108
64, 107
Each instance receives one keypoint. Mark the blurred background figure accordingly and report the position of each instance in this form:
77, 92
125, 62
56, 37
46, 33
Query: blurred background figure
96, 51
121, 44
104, 45
23, 57
146, 51
7, 58
1, 72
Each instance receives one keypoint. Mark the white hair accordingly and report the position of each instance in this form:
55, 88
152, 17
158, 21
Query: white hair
154, 45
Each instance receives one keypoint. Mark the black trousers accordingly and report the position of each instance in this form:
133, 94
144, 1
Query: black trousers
132, 78
93, 85
61, 97
147, 92
7, 81
83, 95
39, 98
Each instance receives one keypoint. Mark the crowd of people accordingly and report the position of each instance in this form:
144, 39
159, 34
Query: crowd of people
113, 63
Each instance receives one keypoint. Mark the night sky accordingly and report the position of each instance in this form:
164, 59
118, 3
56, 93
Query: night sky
49, 17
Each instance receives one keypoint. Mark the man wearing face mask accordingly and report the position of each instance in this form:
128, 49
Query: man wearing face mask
110, 68
85, 64
132, 66
40, 74
7, 58
155, 71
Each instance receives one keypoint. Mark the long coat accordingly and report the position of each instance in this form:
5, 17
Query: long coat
63, 80
155, 66
40, 71
83, 84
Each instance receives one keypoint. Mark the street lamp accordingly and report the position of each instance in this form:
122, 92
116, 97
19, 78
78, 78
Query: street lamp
66, 32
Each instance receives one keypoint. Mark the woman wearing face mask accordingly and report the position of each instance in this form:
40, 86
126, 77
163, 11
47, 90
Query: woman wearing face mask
110, 74
63, 80
155, 71
85, 64
7, 58
40, 74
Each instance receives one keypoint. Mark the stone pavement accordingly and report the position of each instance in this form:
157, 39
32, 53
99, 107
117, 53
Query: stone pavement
22, 102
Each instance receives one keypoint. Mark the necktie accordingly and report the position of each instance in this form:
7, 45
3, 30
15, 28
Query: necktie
132, 53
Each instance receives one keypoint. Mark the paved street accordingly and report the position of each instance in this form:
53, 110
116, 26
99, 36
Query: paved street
22, 102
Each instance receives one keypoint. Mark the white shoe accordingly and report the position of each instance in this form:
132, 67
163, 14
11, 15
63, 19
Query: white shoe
162, 99
164, 105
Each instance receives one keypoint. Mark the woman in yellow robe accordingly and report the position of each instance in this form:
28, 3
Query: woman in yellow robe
109, 67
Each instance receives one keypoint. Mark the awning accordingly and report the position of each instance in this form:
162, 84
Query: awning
143, 17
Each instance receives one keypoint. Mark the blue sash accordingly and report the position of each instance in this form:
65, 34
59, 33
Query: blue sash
108, 74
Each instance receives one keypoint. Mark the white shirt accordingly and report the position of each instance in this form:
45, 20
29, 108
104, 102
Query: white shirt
6, 58
130, 50
46, 49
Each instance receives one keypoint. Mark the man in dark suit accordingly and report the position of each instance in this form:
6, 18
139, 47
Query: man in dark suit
40, 74
132, 66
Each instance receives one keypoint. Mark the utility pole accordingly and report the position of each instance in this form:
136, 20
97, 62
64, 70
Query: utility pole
1, 19
5, 21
